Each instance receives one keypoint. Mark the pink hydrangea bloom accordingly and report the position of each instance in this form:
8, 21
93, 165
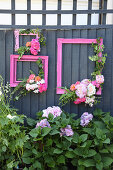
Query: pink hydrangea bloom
80, 100
33, 51
42, 88
35, 44
43, 123
85, 119
81, 90
67, 131
100, 79
54, 110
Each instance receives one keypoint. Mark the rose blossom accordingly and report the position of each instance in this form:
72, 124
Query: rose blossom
86, 82
100, 79
35, 44
42, 88
31, 77
33, 51
91, 89
95, 84
85, 119
80, 100
81, 90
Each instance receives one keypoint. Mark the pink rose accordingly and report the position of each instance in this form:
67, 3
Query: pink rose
81, 90
42, 88
79, 100
95, 84
35, 44
99, 79
99, 91
31, 77
85, 82
33, 51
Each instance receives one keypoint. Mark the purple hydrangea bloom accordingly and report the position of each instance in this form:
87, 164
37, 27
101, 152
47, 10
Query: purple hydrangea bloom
67, 131
43, 123
55, 111
85, 119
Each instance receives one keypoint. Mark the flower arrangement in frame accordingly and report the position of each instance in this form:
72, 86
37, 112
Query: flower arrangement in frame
86, 91
36, 83
32, 46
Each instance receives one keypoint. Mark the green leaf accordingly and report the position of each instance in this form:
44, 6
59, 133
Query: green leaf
99, 166
83, 137
58, 151
107, 161
35, 132
107, 141
45, 131
54, 132
110, 148
61, 159
70, 154
31, 122
49, 142
104, 151
26, 160
89, 163
92, 153
4, 148
37, 164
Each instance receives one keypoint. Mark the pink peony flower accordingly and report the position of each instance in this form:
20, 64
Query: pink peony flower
31, 77
81, 90
33, 51
100, 79
35, 44
80, 100
42, 88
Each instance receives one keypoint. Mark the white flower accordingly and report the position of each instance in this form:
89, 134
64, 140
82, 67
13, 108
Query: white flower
31, 81
28, 87
36, 91
42, 81
91, 89
11, 117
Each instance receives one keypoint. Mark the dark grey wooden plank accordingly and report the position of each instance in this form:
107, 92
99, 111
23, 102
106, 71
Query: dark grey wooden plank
83, 66
2, 53
107, 71
75, 66
51, 78
67, 64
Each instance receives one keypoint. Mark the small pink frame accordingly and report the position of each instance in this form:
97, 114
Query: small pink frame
61, 41
13, 67
16, 33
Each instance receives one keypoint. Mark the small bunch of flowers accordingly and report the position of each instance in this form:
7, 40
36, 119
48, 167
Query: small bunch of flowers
84, 91
85, 119
54, 110
35, 84
34, 46
67, 131
43, 123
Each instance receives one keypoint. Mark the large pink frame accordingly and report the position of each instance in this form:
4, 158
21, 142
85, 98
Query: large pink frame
13, 67
61, 41
16, 33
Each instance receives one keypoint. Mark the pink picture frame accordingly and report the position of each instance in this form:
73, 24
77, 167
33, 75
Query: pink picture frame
16, 34
13, 67
60, 42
